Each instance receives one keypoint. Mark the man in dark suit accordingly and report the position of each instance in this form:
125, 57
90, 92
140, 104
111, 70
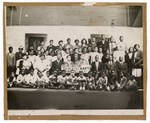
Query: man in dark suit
50, 46
56, 65
20, 53
97, 67
121, 66
104, 44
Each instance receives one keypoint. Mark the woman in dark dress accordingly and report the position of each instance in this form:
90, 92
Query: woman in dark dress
129, 58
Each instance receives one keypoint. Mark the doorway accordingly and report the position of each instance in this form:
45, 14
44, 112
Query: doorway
34, 40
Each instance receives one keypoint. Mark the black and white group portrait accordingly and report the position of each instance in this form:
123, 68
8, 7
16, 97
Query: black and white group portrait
74, 57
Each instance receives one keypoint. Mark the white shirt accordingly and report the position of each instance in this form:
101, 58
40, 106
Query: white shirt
32, 58
21, 78
31, 78
62, 79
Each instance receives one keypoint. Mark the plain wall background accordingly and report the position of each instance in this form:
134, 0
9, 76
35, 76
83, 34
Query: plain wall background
15, 35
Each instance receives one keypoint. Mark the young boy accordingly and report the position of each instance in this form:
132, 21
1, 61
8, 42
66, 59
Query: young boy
122, 82
21, 79
11, 80
90, 81
81, 80
102, 83
31, 79
40, 80
72, 81
53, 80
62, 79
48, 84
132, 84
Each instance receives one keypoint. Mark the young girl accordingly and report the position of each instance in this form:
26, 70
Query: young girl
81, 80
102, 83
90, 81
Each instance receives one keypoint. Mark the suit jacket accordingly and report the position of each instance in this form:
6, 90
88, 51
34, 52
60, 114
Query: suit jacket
121, 67
105, 45
50, 47
56, 65
101, 67
138, 59
110, 67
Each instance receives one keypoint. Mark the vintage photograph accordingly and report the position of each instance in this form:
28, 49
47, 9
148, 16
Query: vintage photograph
75, 60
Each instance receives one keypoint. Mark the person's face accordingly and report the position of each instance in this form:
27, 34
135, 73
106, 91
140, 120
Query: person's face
110, 58
42, 57
121, 38
100, 50
131, 50
68, 51
121, 74
76, 57
93, 40
12, 74
69, 41
47, 74
39, 52
46, 52
11, 50
25, 57
64, 74
80, 50
20, 50
83, 41
31, 52
77, 42
89, 49
40, 74
32, 72
81, 74
96, 58
96, 49
55, 73
69, 58
59, 56
72, 73
103, 74
103, 37
61, 43
137, 47
42, 50
120, 59
42, 43
51, 42
60, 47
76, 51
23, 72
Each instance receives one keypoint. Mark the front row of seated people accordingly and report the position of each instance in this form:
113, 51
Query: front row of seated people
73, 82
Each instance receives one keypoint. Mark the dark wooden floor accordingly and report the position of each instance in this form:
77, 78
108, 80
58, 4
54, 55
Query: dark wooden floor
19, 98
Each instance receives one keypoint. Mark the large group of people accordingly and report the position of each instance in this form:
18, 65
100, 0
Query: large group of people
113, 65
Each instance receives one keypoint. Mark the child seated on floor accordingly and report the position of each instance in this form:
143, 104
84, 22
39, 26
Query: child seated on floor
31, 79
122, 82
62, 79
40, 80
21, 79
81, 80
113, 80
72, 81
132, 84
53, 80
11, 80
102, 83
48, 84
90, 82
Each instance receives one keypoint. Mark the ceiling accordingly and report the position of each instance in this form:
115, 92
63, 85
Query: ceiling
74, 15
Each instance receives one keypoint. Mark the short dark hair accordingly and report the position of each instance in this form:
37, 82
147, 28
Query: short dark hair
10, 47
83, 40
136, 45
68, 39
